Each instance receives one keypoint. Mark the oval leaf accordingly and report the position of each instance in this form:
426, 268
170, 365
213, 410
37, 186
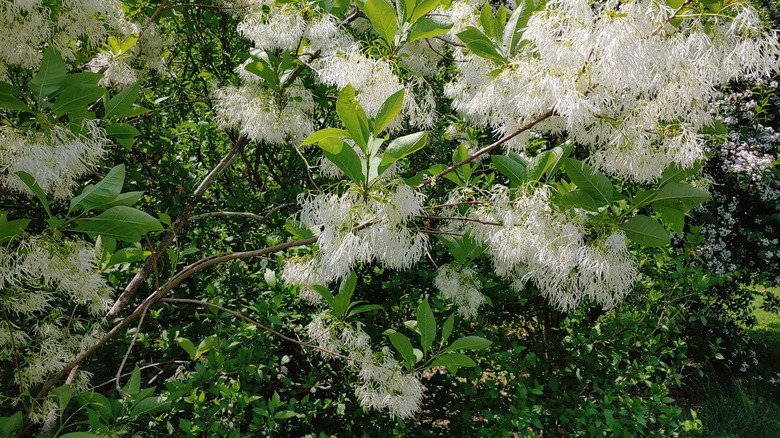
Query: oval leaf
646, 231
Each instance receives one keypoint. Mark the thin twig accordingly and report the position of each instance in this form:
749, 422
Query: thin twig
262, 218
459, 218
127, 353
452, 43
671, 17
308, 167
162, 108
487, 149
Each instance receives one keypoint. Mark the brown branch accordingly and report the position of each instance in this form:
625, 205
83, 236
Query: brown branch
262, 218
459, 218
487, 149
255, 323
162, 108
671, 17
453, 204
167, 239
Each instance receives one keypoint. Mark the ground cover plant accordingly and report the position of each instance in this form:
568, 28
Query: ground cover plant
424, 218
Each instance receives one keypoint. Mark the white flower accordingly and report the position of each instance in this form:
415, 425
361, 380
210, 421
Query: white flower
459, 284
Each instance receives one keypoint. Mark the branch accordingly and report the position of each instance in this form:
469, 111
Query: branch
255, 323
487, 149
452, 43
459, 218
167, 239
243, 214
156, 110
671, 17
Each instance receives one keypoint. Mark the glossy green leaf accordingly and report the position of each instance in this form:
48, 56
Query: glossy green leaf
122, 102
325, 133
12, 103
402, 147
511, 168
646, 231
680, 196
561, 152
62, 395
122, 223
422, 8
579, 199
364, 308
149, 405
30, 182
403, 346
9, 425
101, 193
382, 17
76, 97
456, 359
427, 28
539, 165
133, 386
10, 229
675, 172
50, 76
298, 230
513, 32
427, 324
352, 115
642, 198
446, 329
188, 346
129, 42
324, 292
342, 155
389, 109
468, 343
480, 44
672, 217
122, 131
591, 181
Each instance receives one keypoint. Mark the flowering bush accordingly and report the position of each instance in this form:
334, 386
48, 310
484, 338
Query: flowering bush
356, 137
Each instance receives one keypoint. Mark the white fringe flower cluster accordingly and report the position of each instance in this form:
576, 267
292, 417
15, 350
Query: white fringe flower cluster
56, 160
634, 87
46, 286
27, 24
535, 243
382, 383
459, 284
334, 220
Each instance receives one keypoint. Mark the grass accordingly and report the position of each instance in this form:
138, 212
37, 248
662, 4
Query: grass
748, 408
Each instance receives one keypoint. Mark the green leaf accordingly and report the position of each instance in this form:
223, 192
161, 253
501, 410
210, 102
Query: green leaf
149, 406
681, 196
561, 153
592, 182
128, 255
133, 385
8, 89
579, 199
642, 198
77, 96
364, 308
672, 217
342, 155
324, 133
122, 101
9, 102
717, 128
9, 425
468, 343
352, 115
453, 359
403, 345
266, 72
511, 168
188, 346
127, 199
382, 17
122, 131
480, 44
427, 325
10, 229
646, 231
30, 182
298, 230
62, 395
401, 147
539, 165
427, 28
324, 292
101, 193
389, 109
487, 21
675, 172
446, 329
348, 284
121, 223
129, 42
50, 76
283, 415
513, 32
422, 8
